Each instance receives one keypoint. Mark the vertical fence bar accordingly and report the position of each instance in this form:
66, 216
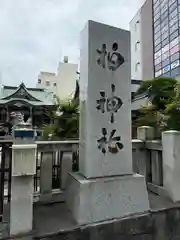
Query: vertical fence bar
38, 166
9, 149
148, 166
2, 168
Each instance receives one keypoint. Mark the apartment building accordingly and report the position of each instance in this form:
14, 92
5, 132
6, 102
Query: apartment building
142, 64
62, 83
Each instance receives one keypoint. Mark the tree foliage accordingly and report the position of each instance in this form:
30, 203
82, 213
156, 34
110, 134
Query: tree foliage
163, 113
173, 110
65, 121
160, 90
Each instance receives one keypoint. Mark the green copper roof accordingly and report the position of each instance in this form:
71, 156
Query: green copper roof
32, 96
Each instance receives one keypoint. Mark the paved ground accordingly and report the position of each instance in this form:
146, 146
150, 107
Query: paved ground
49, 219
52, 218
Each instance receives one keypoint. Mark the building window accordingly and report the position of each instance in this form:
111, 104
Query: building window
156, 11
47, 83
165, 35
175, 72
165, 62
164, 29
173, 14
166, 75
174, 57
171, 2
164, 22
173, 6
136, 45
157, 60
173, 28
156, 8
173, 21
39, 81
166, 69
158, 67
174, 42
165, 41
173, 35
174, 49
157, 15
157, 35
54, 84
157, 48
175, 64
157, 54
158, 73
156, 3
137, 66
157, 22
165, 55
157, 29
163, 16
157, 41
135, 26
165, 48
164, 8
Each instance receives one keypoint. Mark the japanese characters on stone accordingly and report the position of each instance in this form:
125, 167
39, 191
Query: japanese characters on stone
111, 59
111, 104
111, 143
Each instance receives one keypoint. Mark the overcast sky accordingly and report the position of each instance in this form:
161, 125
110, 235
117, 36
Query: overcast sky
36, 34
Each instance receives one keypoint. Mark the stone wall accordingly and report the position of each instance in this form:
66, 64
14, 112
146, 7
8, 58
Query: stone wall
160, 225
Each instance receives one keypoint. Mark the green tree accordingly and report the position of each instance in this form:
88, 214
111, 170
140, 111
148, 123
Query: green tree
65, 120
160, 91
173, 110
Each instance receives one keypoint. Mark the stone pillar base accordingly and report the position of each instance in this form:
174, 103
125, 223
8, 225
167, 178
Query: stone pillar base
98, 199
21, 214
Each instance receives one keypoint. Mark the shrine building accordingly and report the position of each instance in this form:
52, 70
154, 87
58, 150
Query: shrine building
32, 102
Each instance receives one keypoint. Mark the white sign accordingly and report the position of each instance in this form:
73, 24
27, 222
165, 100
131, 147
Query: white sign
175, 64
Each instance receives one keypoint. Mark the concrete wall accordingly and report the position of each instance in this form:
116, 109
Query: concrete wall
147, 41
135, 86
45, 78
135, 29
66, 80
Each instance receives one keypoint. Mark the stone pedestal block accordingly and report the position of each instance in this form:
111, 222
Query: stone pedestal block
105, 198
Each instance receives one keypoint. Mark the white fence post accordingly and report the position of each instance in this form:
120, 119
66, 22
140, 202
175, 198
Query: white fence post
145, 133
23, 171
66, 167
171, 163
46, 176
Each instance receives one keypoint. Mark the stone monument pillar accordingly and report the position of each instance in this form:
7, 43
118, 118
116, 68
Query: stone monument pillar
22, 187
105, 187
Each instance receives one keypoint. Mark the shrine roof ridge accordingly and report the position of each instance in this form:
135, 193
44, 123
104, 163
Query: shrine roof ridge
30, 89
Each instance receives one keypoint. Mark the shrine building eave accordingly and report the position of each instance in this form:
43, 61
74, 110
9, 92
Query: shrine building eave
20, 92
21, 102
22, 96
